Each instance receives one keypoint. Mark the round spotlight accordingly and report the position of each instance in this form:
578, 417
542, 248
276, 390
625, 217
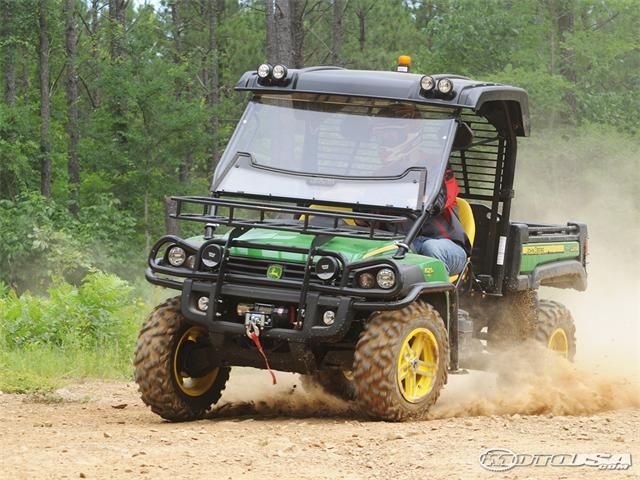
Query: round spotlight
366, 280
176, 256
279, 72
326, 268
427, 83
445, 86
386, 278
264, 71
203, 304
329, 317
211, 255
191, 261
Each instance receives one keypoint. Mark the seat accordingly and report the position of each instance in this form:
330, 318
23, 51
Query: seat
348, 221
466, 218
465, 214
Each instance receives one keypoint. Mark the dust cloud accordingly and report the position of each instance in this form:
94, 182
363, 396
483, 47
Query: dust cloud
531, 380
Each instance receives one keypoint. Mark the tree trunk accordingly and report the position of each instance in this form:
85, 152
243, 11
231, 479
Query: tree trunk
72, 102
213, 80
271, 49
361, 28
566, 19
338, 12
184, 170
117, 10
296, 10
95, 5
45, 144
280, 24
9, 61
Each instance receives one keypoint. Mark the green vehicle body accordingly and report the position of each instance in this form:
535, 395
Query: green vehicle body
353, 249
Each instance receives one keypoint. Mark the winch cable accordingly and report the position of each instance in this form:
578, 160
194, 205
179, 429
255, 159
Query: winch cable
253, 332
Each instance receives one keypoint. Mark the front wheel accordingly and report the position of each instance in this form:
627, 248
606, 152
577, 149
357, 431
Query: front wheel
401, 362
173, 366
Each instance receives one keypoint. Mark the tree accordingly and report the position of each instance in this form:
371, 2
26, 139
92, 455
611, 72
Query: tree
212, 97
339, 7
9, 57
72, 103
45, 142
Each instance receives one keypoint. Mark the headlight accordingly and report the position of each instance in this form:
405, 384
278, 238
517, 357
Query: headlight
445, 86
279, 72
203, 304
386, 278
264, 71
326, 268
366, 280
176, 256
427, 83
211, 255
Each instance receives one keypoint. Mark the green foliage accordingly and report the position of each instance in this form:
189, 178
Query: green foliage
102, 312
40, 241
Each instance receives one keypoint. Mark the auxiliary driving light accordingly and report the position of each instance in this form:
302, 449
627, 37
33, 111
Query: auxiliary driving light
279, 72
386, 278
366, 280
329, 317
203, 304
176, 256
211, 255
445, 86
264, 71
427, 83
326, 268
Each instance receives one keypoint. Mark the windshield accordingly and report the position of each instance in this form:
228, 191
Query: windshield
371, 151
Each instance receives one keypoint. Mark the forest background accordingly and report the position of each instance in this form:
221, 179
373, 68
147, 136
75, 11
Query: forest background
109, 107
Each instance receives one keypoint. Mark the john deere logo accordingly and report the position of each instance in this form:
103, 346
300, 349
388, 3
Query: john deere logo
274, 271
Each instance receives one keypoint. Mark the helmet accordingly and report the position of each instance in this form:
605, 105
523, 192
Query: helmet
397, 140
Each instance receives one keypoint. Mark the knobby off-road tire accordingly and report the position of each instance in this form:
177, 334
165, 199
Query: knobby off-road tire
164, 335
334, 382
520, 316
556, 328
382, 359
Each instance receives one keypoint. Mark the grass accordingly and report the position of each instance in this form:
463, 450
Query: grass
44, 369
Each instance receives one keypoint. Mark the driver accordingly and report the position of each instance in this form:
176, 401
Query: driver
442, 236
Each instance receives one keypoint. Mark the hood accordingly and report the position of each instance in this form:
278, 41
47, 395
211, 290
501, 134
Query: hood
353, 249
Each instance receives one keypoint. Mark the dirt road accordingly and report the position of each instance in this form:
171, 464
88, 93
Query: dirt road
102, 430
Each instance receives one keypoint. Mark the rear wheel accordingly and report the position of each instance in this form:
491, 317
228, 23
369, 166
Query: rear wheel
173, 366
556, 328
338, 383
522, 317
401, 362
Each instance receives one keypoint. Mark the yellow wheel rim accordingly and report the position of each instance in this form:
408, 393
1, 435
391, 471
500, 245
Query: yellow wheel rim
417, 365
348, 374
192, 386
558, 342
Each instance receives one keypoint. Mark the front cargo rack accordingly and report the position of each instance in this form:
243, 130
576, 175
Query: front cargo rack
303, 223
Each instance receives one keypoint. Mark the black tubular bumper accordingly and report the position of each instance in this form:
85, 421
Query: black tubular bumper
345, 307
312, 299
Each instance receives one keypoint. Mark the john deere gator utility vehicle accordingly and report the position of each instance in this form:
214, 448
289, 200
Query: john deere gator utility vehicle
305, 263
